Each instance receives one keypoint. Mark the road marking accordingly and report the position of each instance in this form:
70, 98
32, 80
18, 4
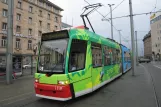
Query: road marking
16, 96
157, 66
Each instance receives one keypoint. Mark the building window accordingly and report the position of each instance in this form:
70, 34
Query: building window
49, 16
5, 1
40, 3
56, 19
18, 16
19, 5
48, 7
18, 43
48, 26
158, 32
30, 32
30, 9
56, 11
30, 20
4, 26
40, 13
5, 12
40, 33
3, 41
56, 27
96, 50
29, 45
77, 56
18, 29
31, 0
40, 23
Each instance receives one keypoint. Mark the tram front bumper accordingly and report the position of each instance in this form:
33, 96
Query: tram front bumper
54, 92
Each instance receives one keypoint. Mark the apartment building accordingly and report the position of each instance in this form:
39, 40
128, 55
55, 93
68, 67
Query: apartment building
31, 19
156, 34
147, 46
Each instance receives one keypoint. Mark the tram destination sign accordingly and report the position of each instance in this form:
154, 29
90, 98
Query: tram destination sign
55, 35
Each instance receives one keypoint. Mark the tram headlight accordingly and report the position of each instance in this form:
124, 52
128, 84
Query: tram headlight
63, 82
36, 80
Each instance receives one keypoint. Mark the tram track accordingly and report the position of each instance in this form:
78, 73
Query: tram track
153, 86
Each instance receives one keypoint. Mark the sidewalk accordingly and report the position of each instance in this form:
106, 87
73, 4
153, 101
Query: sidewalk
127, 91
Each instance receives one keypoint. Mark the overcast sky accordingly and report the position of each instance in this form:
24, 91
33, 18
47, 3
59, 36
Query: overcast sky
73, 9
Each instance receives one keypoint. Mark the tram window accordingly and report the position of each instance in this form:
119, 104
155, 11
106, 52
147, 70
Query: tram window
124, 56
107, 56
77, 55
114, 55
97, 52
118, 56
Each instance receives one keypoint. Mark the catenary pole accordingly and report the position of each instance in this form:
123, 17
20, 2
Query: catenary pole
110, 5
9, 57
132, 38
136, 48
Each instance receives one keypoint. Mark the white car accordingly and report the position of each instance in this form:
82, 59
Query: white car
29, 65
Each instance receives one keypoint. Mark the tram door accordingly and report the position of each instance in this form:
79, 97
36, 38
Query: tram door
97, 65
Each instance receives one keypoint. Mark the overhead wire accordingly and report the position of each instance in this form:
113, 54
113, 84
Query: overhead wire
105, 18
115, 7
134, 15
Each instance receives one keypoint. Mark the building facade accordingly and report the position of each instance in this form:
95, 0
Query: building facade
31, 19
147, 46
156, 35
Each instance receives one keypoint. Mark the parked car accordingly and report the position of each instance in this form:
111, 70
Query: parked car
143, 60
29, 65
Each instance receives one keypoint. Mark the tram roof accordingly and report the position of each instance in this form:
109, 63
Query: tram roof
84, 34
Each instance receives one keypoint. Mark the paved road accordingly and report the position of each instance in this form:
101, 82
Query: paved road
127, 91
155, 70
26, 72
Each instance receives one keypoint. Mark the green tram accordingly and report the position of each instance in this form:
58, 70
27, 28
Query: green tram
75, 62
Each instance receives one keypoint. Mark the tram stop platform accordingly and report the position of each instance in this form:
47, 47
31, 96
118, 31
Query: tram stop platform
126, 91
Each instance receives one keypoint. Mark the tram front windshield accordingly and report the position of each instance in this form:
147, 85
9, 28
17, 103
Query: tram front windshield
52, 56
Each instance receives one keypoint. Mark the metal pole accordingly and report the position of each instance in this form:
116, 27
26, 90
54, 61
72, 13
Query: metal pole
110, 5
9, 57
136, 49
120, 35
132, 38
31, 65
